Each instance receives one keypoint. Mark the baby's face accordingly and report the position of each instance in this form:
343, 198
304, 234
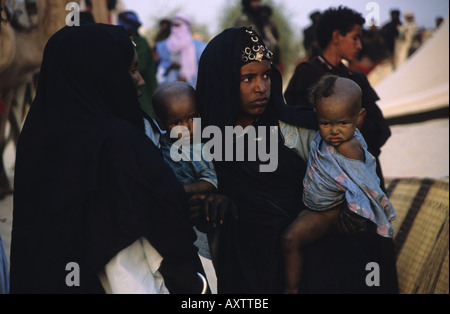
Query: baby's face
181, 112
337, 120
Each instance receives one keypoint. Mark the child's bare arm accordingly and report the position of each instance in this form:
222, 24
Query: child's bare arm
199, 187
351, 149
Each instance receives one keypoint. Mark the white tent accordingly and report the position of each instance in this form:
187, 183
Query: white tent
420, 84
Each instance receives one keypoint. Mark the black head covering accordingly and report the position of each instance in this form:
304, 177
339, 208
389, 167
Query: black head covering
77, 76
218, 85
88, 182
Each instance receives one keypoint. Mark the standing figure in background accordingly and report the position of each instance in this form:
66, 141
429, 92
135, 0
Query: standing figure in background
179, 53
407, 31
271, 35
130, 21
390, 32
163, 34
309, 37
164, 30
250, 16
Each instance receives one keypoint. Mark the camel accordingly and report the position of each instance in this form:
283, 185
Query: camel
22, 42
21, 55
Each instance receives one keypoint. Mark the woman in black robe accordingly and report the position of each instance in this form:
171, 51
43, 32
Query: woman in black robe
247, 252
88, 181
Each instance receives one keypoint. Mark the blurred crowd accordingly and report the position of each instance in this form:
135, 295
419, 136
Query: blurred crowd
173, 53
395, 41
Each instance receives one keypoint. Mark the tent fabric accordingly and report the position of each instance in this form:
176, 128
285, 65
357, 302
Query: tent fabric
420, 84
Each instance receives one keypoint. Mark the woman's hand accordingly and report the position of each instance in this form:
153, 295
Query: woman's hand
209, 210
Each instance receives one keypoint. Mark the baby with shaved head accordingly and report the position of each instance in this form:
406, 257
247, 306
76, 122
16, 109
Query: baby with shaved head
174, 104
338, 107
341, 187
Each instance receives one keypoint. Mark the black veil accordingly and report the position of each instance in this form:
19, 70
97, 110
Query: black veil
88, 182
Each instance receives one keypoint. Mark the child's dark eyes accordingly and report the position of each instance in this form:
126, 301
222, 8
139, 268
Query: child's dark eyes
327, 123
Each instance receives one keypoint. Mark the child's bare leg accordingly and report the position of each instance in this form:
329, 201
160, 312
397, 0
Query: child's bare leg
308, 227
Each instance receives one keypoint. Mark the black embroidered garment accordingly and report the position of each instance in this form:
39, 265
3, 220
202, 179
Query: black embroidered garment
88, 181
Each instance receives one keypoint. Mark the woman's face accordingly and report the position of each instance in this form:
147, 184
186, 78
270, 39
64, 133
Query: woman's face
255, 87
136, 76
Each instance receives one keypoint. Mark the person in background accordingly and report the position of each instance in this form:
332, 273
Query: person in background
250, 16
309, 37
179, 54
407, 32
164, 30
389, 31
130, 21
271, 35
163, 33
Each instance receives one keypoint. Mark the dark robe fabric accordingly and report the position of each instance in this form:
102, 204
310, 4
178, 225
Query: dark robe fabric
88, 182
247, 251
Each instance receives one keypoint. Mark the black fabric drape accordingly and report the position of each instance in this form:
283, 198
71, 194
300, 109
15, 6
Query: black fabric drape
88, 182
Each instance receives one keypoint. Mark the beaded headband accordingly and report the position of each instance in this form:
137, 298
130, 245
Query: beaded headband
254, 48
